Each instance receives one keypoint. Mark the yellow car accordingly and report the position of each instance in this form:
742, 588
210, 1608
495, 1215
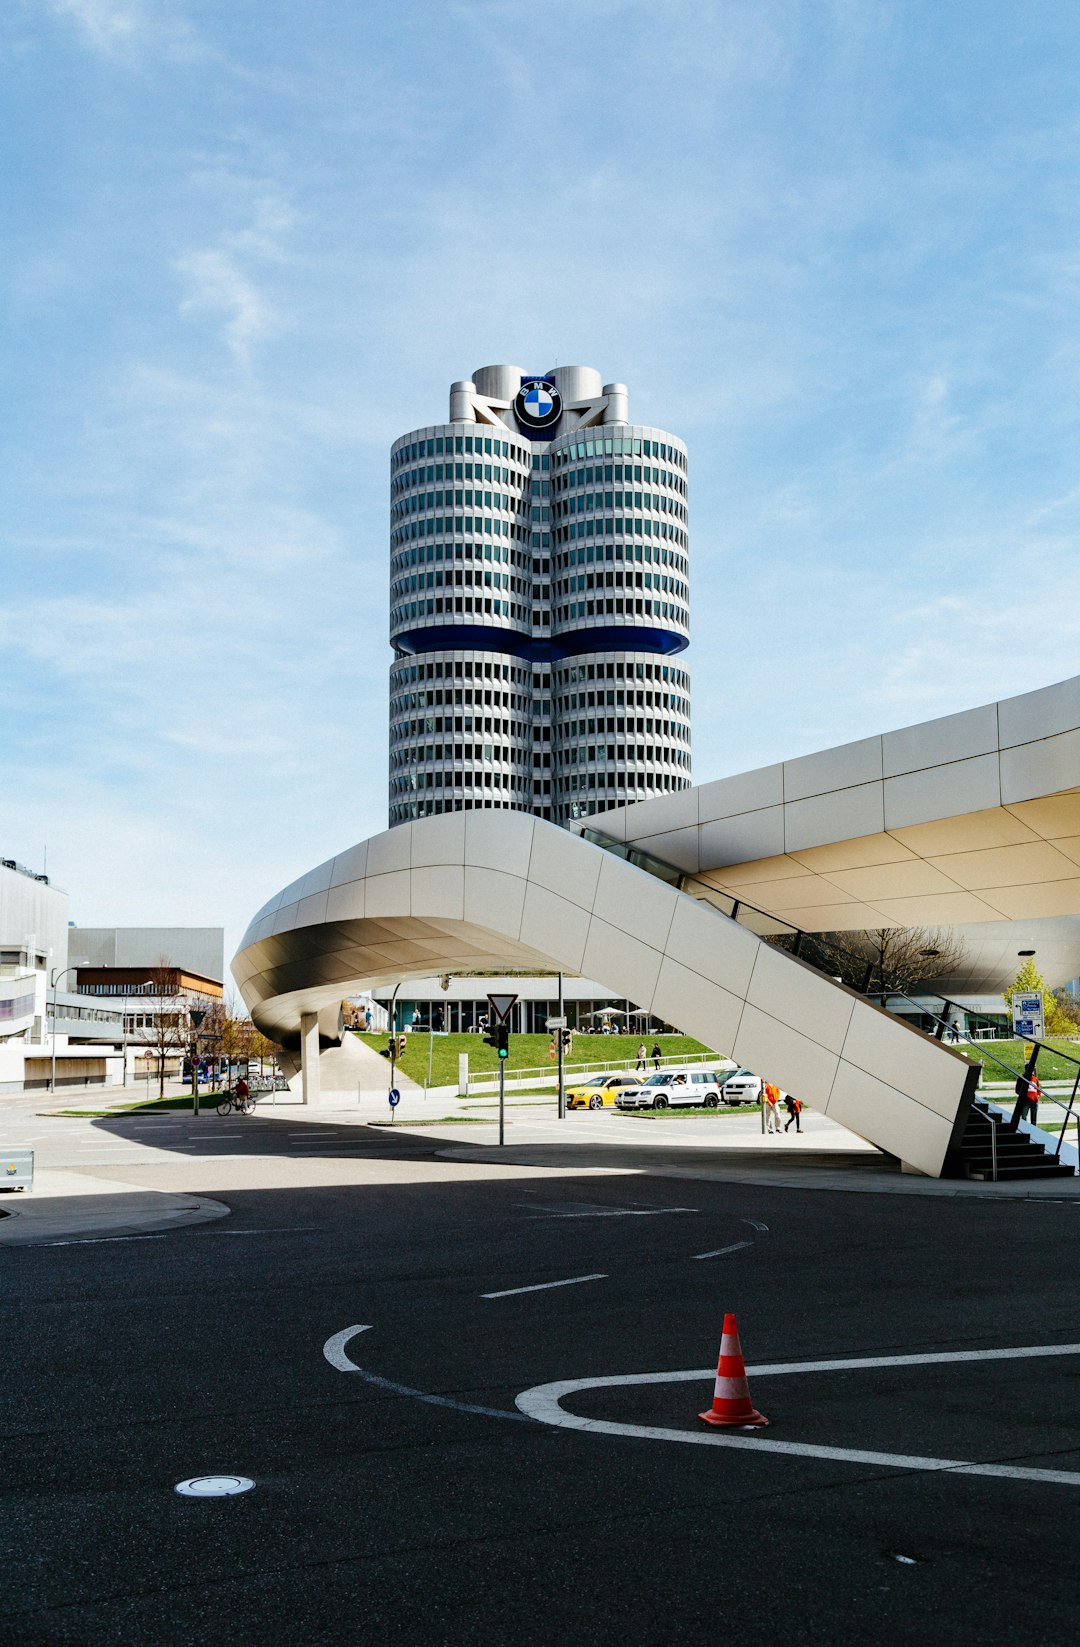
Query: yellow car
599, 1093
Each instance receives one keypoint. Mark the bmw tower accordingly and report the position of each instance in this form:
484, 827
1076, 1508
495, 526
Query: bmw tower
538, 602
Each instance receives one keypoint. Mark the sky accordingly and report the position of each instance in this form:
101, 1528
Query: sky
832, 244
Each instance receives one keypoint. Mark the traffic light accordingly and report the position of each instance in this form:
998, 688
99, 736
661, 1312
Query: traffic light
499, 1038
567, 1039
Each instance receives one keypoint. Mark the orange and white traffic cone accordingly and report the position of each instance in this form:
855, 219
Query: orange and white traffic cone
732, 1406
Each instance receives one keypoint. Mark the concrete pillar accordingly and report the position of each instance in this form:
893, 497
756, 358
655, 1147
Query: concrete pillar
463, 1074
309, 1058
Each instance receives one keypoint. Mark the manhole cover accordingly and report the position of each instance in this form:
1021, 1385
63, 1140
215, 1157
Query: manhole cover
214, 1486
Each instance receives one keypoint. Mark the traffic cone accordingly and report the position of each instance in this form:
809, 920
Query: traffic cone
732, 1406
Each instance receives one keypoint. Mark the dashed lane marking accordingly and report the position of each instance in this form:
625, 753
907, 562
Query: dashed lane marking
334, 1351
543, 1403
736, 1246
587, 1209
544, 1286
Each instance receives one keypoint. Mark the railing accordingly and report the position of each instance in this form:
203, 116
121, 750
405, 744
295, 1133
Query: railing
857, 971
487, 1080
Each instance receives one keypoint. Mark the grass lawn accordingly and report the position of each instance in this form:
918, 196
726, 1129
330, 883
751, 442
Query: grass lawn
207, 1100
993, 1054
526, 1052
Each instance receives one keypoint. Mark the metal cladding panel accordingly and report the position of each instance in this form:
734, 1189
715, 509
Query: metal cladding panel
31, 908
199, 949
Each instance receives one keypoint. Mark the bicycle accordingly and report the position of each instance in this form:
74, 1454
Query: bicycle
230, 1102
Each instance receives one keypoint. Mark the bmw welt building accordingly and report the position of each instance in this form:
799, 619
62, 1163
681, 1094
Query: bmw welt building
538, 602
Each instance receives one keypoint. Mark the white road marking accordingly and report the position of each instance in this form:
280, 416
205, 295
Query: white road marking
755, 1225
306, 1134
736, 1246
334, 1348
215, 1135
587, 1210
543, 1286
334, 1351
289, 1229
102, 1240
543, 1404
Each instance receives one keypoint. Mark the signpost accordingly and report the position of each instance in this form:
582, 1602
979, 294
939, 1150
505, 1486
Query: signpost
501, 1008
395, 1099
1027, 1016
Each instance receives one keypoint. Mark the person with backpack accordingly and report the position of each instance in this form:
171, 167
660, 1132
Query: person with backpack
793, 1106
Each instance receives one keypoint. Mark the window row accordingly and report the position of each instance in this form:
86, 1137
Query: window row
606, 526
470, 578
476, 606
587, 581
472, 445
402, 485
618, 474
596, 445
463, 497
458, 526
593, 503
570, 674
576, 611
644, 725
429, 554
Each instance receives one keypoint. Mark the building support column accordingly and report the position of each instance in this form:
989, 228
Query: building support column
309, 1058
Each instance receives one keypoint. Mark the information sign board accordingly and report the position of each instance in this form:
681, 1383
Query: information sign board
1027, 1016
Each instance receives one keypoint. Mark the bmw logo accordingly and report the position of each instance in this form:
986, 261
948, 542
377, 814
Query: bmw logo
538, 404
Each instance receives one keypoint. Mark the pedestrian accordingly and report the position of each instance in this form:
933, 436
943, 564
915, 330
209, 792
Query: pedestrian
656, 1055
794, 1110
1030, 1101
642, 1058
771, 1098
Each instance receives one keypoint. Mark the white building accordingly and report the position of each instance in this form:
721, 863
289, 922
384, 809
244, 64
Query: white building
98, 980
538, 600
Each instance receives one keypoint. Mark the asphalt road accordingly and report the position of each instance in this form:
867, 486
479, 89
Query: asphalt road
379, 1516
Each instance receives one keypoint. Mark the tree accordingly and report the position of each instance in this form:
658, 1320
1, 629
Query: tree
167, 1030
1030, 981
902, 956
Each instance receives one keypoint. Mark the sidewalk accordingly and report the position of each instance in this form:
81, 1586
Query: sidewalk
71, 1205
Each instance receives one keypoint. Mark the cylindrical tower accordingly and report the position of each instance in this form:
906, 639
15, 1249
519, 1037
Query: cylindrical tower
539, 594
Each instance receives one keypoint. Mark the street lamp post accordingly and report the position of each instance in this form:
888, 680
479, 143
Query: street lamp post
196, 1015
54, 979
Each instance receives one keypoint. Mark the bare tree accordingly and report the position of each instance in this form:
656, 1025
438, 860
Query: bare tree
901, 956
165, 1033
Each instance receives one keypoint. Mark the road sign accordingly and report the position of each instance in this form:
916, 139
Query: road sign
395, 1097
1027, 1016
555, 1023
502, 1006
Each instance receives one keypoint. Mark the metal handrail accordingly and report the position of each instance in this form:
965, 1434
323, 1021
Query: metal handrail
782, 934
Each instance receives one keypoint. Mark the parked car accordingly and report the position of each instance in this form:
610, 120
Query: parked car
675, 1089
598, 1093
742, 1087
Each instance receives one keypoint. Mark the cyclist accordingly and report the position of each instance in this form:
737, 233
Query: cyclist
243, 1095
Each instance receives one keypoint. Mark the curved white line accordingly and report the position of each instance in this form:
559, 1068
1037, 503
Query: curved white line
543, 1403
334, 1349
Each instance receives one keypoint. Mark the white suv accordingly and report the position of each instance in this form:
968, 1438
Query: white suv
675, 1088
743, 1087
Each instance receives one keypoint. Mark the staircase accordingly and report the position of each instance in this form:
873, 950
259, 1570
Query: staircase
1018, 1154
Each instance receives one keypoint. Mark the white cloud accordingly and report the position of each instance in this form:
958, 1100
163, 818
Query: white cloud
123, 29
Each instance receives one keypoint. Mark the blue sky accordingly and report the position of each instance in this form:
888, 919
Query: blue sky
834, 245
